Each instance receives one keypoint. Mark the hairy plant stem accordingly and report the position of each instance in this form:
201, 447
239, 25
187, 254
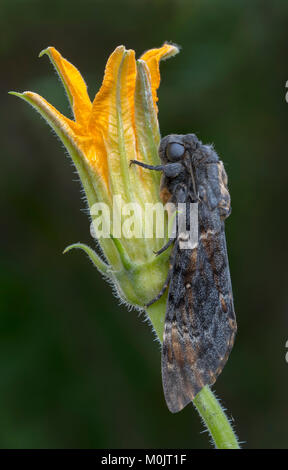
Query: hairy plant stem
205, 402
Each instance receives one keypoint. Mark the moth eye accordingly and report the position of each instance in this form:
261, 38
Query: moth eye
175, 151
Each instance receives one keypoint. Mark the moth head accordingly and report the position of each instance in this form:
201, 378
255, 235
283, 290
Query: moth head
175, 151
176, 148
172, 148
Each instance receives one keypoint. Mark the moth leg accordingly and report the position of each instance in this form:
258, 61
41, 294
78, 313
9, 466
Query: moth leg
144, 165
169, 275
165, 247
159, 295
171, 170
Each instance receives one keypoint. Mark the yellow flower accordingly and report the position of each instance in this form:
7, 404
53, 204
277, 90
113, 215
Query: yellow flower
118, 126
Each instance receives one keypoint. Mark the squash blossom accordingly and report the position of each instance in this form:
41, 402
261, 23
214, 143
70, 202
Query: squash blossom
118, 126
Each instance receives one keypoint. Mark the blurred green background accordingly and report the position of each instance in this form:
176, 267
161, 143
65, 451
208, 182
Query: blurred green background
76, 369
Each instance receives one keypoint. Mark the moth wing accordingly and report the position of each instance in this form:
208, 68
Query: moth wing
200, 323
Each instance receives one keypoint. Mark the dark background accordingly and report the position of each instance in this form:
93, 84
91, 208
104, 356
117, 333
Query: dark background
77, 370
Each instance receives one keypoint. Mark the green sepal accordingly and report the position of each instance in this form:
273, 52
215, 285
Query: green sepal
125, 259
96, 260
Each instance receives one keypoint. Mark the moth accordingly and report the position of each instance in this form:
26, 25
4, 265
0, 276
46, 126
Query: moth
200, 323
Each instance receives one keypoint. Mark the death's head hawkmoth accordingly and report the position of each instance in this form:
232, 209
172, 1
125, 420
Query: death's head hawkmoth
200, 324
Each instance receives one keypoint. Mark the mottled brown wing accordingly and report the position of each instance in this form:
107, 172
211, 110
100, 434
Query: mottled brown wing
200, 323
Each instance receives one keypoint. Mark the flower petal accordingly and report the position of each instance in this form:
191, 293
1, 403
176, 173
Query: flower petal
147, 131
74, 84
62, 125
147, 127
113, 118
152, 59
68, 131
104, 102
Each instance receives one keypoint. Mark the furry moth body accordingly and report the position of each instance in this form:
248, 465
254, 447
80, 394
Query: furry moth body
200, 324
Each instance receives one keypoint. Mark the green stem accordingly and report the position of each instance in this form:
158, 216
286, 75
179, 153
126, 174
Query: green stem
216, 421
205, 402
